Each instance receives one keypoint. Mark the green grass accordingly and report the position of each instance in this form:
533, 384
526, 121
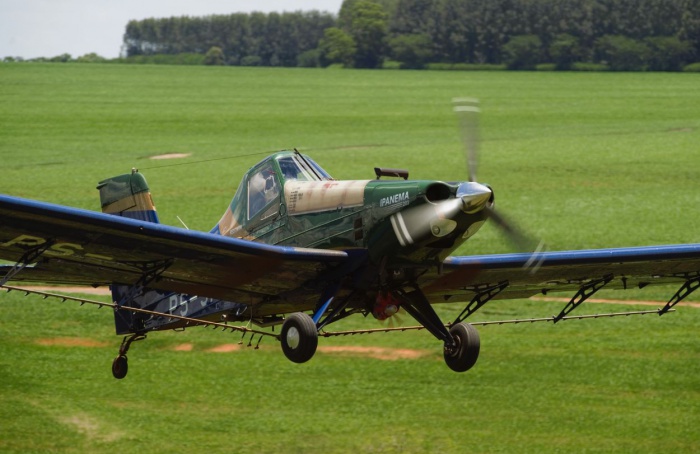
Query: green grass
581, 159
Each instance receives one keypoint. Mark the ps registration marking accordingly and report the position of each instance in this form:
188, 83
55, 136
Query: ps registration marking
60, 249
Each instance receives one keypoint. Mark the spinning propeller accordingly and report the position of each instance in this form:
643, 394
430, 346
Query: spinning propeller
438, 218
467, 110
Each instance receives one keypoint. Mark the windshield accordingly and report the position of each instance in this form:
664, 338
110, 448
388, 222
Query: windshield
296, 168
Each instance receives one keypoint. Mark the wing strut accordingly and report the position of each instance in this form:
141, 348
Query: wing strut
27, 258
688, 287
337, 312
325, 301
585, 292
481, 298
418, 306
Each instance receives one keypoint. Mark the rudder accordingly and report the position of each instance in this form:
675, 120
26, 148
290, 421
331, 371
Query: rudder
128, 196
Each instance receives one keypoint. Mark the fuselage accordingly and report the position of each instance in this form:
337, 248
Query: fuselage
287, 199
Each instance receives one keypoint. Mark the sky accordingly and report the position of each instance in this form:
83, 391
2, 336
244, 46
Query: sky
47, 28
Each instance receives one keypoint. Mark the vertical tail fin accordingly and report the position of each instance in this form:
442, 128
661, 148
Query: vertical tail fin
128, 196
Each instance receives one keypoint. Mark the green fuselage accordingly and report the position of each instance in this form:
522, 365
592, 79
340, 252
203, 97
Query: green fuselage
397, 221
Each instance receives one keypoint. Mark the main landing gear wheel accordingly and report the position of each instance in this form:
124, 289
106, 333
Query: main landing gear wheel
299, 337
464, 354
120, 366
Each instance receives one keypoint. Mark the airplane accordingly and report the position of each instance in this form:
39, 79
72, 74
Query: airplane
300, 250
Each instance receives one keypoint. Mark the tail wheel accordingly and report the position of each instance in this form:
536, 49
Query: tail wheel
463, 356
120, 367
299, 337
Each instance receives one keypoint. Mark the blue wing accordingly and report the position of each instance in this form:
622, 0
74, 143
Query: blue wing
525, 275
73, 246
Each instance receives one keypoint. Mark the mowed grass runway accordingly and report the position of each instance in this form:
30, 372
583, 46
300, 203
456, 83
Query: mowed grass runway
581, 160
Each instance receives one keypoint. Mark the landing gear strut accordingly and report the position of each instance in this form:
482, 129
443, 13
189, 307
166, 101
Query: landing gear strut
120, 365
461, 341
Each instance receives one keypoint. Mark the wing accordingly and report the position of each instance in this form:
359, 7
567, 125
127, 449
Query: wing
513, 275
73, 246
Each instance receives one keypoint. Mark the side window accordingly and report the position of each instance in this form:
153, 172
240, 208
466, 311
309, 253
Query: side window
263, 192
290, 171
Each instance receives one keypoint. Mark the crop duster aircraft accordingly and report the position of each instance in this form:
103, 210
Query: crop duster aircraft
299, 249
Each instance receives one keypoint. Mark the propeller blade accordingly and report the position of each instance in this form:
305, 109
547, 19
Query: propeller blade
474, 194
467, 110
395, 320
521, 241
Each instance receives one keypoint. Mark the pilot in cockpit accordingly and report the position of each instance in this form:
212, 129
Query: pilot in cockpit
262, 188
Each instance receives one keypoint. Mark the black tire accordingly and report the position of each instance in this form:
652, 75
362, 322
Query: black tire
299, 337
463, 356
120, 366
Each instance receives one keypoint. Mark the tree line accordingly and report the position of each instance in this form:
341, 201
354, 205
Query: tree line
517, 34
623, 34
274, 39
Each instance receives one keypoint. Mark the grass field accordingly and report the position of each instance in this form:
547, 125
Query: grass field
582, 160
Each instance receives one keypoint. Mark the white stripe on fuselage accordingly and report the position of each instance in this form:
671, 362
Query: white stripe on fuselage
400, 229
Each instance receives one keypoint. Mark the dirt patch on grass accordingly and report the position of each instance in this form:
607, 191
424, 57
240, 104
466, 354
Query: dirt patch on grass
225, 348
91, 428
383, 353
70, 342
187, 347
171, 156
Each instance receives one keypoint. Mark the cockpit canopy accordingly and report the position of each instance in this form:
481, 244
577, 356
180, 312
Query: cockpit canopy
264, 180
260, 194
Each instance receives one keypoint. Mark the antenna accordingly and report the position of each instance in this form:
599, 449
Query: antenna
182, 222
